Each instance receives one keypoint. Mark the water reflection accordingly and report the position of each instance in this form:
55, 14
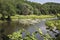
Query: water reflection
10, 27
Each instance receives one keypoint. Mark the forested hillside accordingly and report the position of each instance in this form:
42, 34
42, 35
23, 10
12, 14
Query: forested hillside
24, 7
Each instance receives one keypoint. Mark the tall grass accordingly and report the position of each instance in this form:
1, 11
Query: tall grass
31, 16
52, 24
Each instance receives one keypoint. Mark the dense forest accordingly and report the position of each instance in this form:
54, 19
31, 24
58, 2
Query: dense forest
24, 7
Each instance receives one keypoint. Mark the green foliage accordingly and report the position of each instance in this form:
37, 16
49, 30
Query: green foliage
51, 8
31, 17
52, 24
6, 8
18, 35
24, 7
36, 11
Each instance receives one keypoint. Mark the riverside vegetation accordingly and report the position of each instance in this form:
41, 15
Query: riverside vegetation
18, 35
54, 24
26, 13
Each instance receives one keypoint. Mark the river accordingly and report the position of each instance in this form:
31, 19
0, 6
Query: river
14, 26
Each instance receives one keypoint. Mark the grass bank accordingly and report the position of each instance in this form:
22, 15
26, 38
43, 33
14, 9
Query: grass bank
32, 17
16, 17
52, 24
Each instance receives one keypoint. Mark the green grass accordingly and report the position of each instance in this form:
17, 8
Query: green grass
52, 24
31, 17
16, 17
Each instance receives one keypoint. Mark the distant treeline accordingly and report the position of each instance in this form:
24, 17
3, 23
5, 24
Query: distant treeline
24, 7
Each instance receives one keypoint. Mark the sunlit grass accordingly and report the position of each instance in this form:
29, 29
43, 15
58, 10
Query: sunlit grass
52, 24
17, 17
31, 17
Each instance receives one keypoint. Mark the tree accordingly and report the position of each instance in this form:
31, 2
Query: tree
24, 9
36, 11
6, 9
